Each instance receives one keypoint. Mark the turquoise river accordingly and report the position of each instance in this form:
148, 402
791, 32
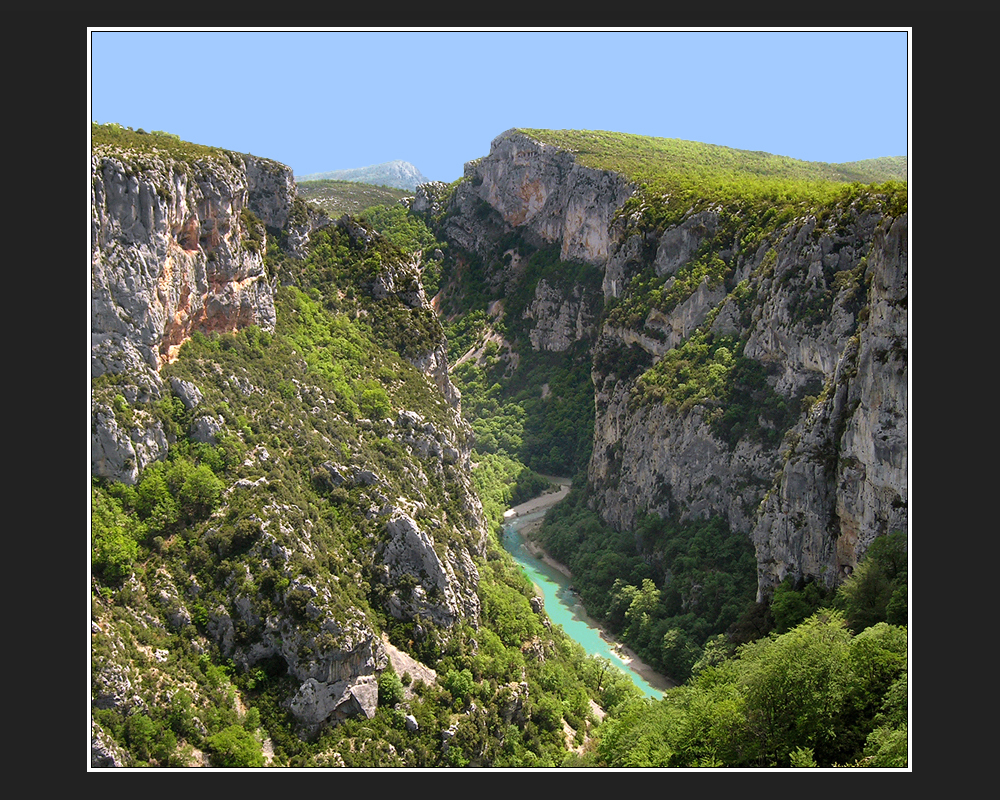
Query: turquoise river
561, 602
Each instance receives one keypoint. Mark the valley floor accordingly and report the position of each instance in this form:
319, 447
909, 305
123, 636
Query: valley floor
545, 501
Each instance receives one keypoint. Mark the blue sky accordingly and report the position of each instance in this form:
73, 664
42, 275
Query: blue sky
321, 100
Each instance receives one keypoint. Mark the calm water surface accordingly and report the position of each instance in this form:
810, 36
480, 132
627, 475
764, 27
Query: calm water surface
562, 605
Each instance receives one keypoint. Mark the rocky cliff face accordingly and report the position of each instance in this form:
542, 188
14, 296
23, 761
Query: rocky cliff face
172, 251
178, 247
558, 318
542, 191
817, 308
660, 459
843, 479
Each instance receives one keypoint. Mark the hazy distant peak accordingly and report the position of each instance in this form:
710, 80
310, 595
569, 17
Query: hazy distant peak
398, 174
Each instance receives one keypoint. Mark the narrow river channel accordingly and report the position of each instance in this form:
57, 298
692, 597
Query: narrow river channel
561, 603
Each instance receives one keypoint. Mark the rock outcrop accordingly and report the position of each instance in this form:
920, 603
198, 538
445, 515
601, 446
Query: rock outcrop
444, 591
172, 250
559, 320
843, 481
178, 246
803, 325
543, 192
818, 305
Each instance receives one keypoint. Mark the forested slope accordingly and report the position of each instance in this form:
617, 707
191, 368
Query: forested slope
304, 434
283, 499
735, 325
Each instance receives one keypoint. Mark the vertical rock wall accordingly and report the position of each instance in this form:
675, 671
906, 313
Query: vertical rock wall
827, 309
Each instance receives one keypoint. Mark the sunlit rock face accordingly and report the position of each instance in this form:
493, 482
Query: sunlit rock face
823, 311
541, 190
172, 251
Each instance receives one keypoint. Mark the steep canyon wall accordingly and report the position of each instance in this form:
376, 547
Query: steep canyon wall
177, 247
816, 310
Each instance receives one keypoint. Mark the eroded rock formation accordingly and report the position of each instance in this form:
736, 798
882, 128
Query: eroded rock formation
820, 306
178, 246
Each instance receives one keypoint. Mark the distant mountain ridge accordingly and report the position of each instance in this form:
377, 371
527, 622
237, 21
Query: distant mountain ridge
398, 174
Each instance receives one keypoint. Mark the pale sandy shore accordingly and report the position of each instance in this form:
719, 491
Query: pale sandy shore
545, 501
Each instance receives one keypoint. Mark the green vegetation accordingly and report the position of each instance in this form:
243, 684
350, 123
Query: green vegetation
337, 198
815, 696
235, 747
662, 162
405, 230
711, 371
877, 589
549, 430
677, 176
340, 274
534, 406
692, 374
167, 145
229, 535
114, 537
502, 481
827, 687
409, 233
703, 581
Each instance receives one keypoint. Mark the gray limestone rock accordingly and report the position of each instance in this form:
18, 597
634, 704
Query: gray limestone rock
446, 577
559, 320
188, 393
120, 451
169, 250
845, 479
206, 429
820, 301
317, 702
104, 753
541, 190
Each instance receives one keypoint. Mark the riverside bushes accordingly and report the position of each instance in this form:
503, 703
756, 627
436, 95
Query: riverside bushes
817, 695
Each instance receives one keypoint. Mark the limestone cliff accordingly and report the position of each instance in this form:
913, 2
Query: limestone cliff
172, 249
542, 191
177, 247
813, 309
661, 459
843, 479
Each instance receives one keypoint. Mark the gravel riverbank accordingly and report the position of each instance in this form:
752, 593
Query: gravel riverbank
541, 503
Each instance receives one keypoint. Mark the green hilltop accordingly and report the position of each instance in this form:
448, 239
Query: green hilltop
348, 197
148, 142
674, 173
